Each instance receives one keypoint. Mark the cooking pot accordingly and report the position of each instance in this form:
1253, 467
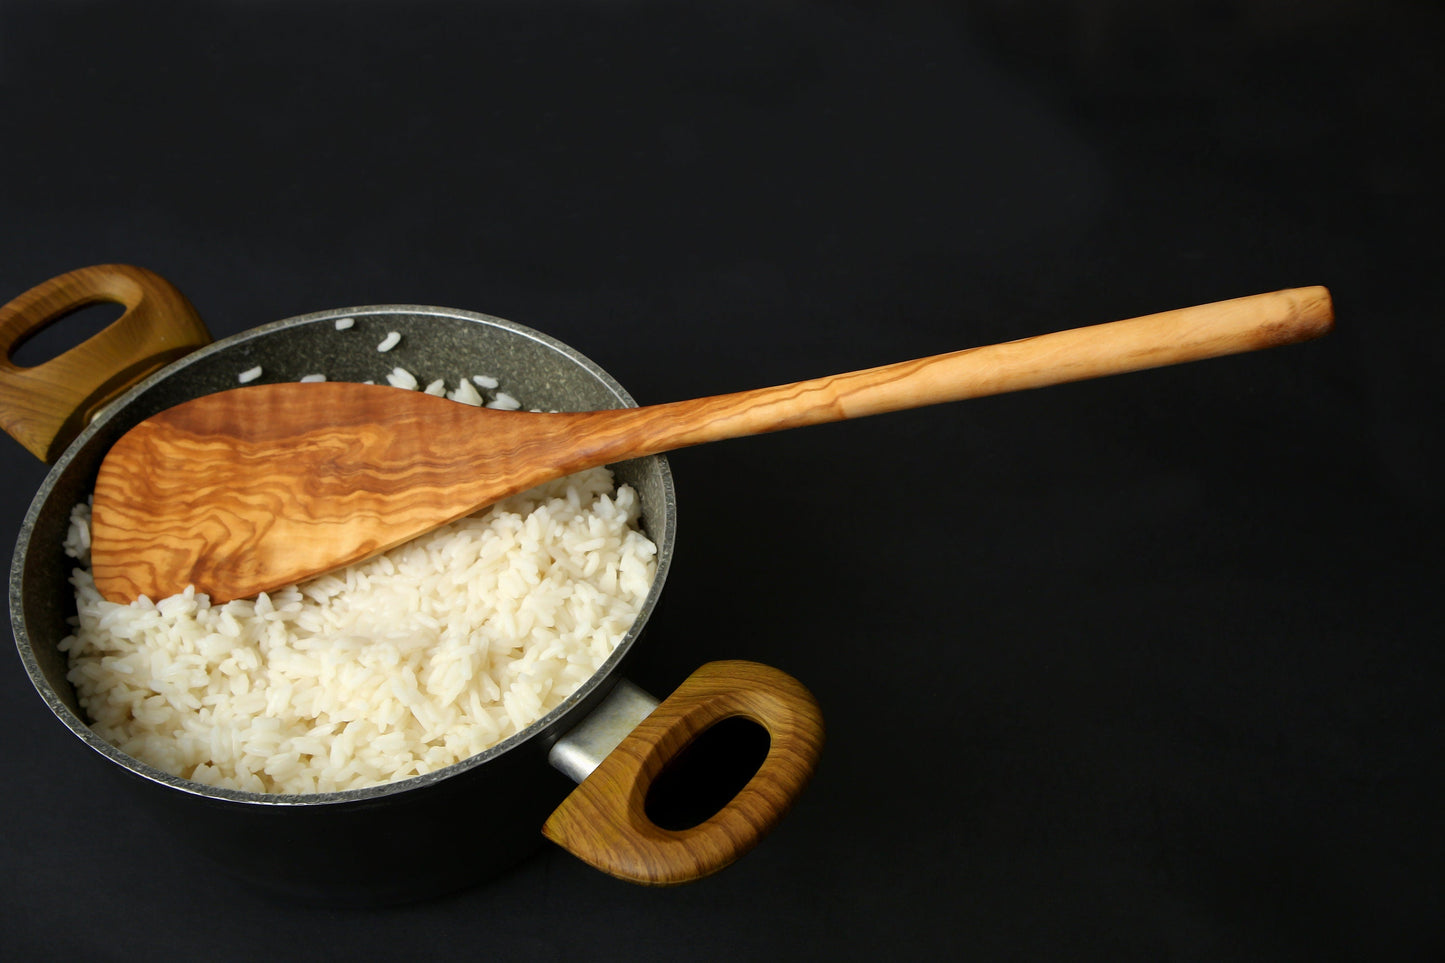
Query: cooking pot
431, 833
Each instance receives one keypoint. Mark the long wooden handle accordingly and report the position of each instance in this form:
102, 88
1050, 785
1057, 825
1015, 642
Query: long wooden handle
44, 407
1154, 340
604, 821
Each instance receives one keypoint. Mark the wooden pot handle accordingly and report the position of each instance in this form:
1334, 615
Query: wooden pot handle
604, 821
44, 407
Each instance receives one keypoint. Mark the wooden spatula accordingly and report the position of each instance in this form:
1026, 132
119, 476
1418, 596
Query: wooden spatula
252, 489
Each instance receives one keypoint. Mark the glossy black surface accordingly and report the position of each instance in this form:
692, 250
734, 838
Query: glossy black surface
1139, 669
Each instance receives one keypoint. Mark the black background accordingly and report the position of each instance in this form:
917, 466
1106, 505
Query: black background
1140, 669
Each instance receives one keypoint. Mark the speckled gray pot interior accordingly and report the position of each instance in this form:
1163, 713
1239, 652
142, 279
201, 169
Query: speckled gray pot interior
435, 343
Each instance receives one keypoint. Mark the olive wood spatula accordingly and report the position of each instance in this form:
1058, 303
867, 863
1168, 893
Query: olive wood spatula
259, 487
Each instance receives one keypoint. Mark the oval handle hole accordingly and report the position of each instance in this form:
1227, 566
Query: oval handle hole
706, 775
64, 333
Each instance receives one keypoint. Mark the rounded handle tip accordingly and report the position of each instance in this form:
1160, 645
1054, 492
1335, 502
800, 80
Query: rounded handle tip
1309, 314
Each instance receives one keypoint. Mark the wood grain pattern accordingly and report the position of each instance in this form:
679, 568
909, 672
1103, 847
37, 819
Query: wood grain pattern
247, 490
604, 820
45, 406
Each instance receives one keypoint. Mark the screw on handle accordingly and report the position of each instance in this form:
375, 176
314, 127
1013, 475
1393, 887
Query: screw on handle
44, 407
604, 821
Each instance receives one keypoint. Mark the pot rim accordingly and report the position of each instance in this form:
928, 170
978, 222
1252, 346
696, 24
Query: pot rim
592, 689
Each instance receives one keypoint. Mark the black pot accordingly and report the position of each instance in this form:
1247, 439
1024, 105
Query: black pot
432, 833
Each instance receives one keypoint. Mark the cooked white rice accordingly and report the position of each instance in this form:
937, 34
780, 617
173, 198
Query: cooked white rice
504, 402
466, 394
391, 668
402, 378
